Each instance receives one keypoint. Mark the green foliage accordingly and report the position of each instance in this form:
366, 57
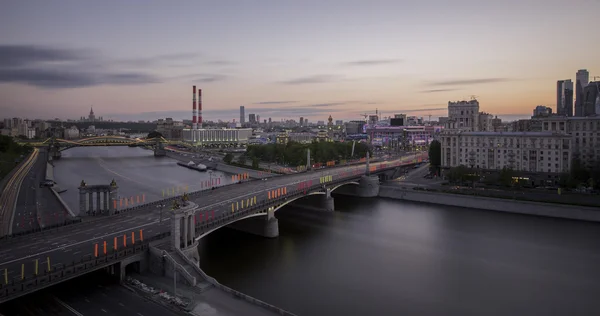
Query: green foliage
228, 158
435, 153
242, 159
506, 177
255, 163
581, 176
154, 134
294, 154
458, 174
10, 152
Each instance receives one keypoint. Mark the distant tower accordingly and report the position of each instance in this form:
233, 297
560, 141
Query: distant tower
91, 117
242, 115
330, 127
581, 81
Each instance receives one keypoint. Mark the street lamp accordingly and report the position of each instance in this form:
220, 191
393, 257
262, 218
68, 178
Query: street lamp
161, 206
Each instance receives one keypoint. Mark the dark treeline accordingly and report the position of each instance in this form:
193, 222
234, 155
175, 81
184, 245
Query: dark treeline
294, 154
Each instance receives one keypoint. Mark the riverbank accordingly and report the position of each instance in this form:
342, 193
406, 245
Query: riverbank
492, 204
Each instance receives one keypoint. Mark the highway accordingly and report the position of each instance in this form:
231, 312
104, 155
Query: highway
91, 295
22, 257
12, 191
37, 207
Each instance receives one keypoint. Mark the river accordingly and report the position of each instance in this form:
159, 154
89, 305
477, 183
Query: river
387, 257
379, 256
136, 171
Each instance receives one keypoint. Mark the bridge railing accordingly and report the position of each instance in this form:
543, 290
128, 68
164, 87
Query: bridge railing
33, 282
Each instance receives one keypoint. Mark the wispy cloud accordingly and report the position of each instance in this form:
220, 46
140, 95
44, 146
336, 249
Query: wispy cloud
438, 90
71, 79
157, 60
468, 81
322, 105
373, 62
424, 110
313, 79
49, 67
275, 102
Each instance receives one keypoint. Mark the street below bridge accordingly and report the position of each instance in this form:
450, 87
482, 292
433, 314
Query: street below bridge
36, 254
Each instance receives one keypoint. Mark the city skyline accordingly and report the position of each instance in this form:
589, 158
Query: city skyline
131, 61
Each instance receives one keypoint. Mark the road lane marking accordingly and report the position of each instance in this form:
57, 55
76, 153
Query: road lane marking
71, 309
103, 310
121, 304
84, 241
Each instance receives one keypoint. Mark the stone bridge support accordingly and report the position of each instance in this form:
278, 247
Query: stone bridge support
368, 186
105, 196
159, 149
317, 202
183, 231
265, 226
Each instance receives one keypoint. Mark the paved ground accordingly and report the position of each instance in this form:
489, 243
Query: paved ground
11, 191
37, 206
92, 295
77, 241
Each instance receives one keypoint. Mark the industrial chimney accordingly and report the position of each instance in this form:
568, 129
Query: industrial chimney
199, 108
194, 125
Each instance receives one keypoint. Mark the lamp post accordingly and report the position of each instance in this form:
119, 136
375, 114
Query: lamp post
161, 206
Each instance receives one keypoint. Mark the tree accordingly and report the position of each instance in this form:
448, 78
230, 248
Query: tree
506, 177
255, 163
228, 158
458, 174
154, 134
242, 159
435, 155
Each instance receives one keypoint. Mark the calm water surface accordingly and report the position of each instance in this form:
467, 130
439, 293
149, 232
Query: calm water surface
386, 257
135, 170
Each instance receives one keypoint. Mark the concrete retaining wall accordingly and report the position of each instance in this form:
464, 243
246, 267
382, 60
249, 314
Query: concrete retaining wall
49, 171
492, 204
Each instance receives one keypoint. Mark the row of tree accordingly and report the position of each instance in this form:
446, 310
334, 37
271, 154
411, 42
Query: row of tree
10, 154
295, 154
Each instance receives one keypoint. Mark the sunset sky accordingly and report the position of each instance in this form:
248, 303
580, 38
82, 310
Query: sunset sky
286, 59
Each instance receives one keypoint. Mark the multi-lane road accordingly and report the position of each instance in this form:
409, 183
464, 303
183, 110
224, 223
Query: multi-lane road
22, 257
12, 191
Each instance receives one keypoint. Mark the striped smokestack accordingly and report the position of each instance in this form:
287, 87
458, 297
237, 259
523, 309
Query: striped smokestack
194, 125
200, 108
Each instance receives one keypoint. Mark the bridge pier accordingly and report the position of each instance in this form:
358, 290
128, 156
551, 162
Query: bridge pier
264, 226
159, 149
323, 202
106, 196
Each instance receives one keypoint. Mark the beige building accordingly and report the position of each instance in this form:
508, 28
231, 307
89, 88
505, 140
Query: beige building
545, 152
463, 115
584, 132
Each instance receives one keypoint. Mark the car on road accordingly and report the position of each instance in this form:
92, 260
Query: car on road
46, 183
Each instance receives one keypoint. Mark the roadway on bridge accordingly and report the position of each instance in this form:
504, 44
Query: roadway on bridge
21, 256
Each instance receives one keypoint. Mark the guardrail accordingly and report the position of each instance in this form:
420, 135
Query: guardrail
32, 283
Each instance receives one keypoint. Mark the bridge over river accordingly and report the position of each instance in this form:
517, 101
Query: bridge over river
146, 237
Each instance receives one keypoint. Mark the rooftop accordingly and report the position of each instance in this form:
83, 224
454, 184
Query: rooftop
537, 134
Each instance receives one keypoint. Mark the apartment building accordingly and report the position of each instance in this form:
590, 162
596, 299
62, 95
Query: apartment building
584, 133
528, 152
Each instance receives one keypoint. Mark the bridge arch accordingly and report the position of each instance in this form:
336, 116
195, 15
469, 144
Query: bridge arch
343, 184
260, 213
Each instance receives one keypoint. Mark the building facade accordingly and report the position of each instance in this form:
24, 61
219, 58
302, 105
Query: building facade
584, 133
463, 115
225, 136
564, 97
582, 78
591, 99
529, 152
